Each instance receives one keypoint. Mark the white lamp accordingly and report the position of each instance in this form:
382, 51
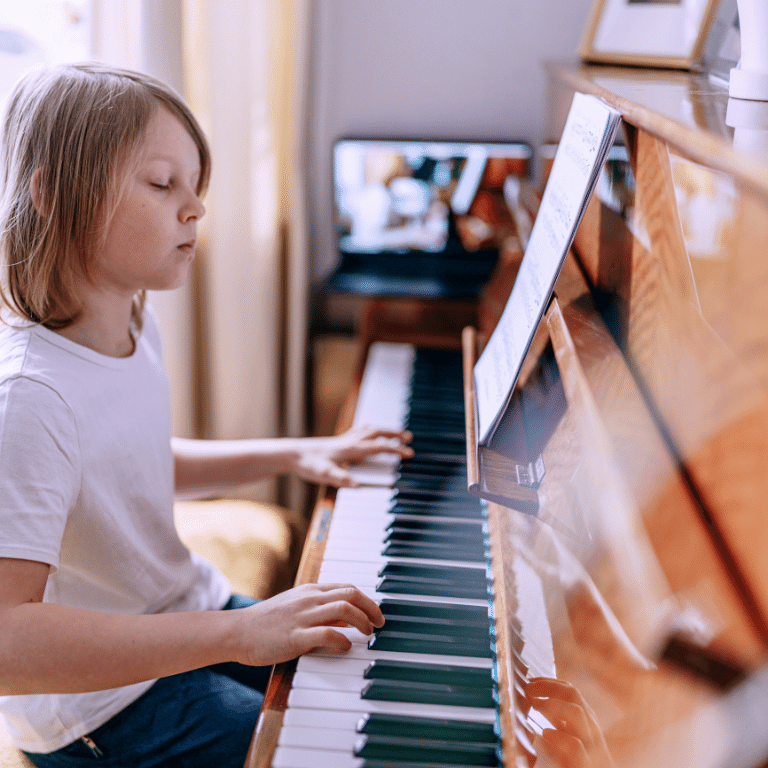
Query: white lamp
749, 80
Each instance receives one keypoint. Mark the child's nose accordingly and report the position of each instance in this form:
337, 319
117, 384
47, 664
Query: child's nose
194, 209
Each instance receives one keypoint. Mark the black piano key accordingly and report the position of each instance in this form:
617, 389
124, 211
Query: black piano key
416, 496
412, 642
445, 580
437, 419
427, 445
467, 527
450, 428
457, 539
476, 624
417, 472
440, 485
428, 510
452, 498
405, 587
429, 473
477, 587
392, 607
436, 401
424, 552
427, 540
458, 573
423, 462
426, 626
392, 586
428, 693
427, 727
426, 672
442, 537
407, 751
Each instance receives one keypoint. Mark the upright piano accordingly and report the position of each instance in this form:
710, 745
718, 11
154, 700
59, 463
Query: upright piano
616, 612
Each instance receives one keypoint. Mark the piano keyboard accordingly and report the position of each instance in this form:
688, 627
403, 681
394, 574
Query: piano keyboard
420, 690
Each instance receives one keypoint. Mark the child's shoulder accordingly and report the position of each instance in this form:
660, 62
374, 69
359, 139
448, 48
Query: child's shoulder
15, 337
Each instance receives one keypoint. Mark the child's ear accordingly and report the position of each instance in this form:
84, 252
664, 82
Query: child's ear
34, 190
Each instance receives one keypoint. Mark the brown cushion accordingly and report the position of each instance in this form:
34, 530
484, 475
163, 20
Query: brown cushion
251, 543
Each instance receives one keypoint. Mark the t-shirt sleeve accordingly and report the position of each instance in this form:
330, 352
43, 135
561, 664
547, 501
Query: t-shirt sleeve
39, 470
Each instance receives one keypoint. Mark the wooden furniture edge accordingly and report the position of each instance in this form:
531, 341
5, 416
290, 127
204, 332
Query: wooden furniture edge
701, 147
504, 661
469, 356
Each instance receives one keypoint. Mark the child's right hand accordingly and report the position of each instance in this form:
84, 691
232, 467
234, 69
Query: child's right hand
301, 620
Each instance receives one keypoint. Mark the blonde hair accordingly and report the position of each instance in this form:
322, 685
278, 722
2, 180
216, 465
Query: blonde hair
79, 127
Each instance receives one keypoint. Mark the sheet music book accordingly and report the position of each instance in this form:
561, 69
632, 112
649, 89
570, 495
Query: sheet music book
588, 135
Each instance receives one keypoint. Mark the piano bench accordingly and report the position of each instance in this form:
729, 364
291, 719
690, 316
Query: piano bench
253, 544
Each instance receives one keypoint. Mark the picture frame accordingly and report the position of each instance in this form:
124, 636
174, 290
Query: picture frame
673, 34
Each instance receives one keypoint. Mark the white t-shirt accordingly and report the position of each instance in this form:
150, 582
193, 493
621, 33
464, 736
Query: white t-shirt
86, 485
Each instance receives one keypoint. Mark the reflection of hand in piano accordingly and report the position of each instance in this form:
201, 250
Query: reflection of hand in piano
576, 741
323, 459
301, 620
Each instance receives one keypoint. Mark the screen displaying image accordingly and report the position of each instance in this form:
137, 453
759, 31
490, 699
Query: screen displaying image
426, 197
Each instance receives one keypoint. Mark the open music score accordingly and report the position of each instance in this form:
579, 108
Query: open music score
588, 135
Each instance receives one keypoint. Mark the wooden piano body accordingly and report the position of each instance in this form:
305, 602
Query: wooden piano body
645, 399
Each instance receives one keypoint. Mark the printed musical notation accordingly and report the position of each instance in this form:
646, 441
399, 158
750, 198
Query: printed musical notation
588, 135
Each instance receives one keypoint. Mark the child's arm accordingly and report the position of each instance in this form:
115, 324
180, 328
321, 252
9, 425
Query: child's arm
210, 467
49, 648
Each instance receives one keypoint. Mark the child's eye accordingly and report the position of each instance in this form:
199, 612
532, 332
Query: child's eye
158, 185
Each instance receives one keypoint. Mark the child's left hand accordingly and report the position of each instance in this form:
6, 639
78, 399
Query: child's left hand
324, 459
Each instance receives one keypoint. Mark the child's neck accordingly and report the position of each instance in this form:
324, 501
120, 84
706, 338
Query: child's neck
108, 333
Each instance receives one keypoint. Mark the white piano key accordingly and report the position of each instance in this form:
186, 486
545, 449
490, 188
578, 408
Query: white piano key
318, 737
358, 577
385, 386
332, 666
323, 681
307, 698
335, 568
373, 531
372, 517
364, 549
296, 757
344, 665
361, 651
377, 476
362, 498
340, 555
383, 402
379, 596
321, 718
354, 634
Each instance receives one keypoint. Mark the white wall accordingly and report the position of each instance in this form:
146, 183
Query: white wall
429, 68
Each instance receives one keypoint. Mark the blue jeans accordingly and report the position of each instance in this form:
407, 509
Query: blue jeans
201, 718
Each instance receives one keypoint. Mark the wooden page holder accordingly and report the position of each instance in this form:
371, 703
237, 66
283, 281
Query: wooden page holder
510, 469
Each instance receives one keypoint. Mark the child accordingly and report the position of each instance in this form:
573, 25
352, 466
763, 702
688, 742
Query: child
113, 647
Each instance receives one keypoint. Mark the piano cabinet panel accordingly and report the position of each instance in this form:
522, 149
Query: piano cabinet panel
642, 579
632, 498
624, 559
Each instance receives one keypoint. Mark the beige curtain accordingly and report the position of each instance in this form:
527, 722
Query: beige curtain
235, 336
